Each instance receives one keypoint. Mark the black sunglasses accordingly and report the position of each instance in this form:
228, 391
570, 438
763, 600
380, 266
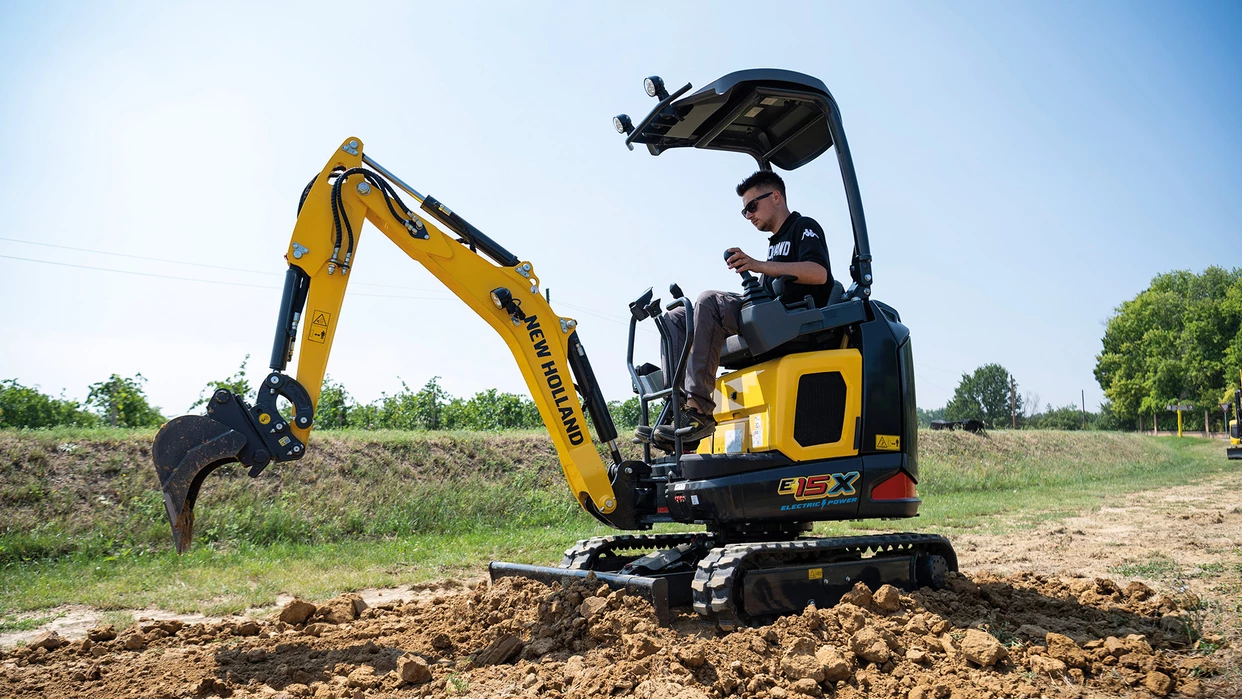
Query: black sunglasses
753, 204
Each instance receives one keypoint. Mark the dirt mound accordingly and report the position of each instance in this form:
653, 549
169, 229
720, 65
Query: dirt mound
1016, 636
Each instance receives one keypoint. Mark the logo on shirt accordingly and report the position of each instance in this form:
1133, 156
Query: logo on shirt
808, 233
781, 248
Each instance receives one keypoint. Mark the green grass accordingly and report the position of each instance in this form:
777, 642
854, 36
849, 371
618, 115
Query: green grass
12, 623
1157, 567
82, 521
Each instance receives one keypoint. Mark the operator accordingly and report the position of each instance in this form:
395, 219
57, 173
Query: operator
796, 248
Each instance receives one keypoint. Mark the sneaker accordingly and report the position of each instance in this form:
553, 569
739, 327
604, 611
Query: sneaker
701, 425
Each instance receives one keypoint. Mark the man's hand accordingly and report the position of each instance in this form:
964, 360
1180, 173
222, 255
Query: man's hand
741, 262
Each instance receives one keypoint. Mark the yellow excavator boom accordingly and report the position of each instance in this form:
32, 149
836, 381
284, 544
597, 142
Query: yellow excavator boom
503, 290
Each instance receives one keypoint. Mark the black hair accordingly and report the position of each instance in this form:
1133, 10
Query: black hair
762, 178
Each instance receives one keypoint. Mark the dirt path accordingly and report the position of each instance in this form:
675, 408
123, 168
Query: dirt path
1037, 614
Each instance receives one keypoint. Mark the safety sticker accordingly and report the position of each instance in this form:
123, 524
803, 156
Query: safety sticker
756, 431
888, 442
815, 574
318, 332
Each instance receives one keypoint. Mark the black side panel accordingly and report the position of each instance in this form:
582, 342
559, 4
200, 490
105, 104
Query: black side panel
819, 417
882, 409
806, 492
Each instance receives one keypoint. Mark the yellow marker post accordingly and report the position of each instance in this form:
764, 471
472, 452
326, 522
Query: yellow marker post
1179, 409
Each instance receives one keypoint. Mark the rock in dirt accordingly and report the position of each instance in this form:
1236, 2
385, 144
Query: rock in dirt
413, 670
1043, 665
982, 648
807, 687
869, 644
502, 650
297, 612
1064, 649
247, 628
134, 641
592, 606
316, 629
101, 634
836, 666
1158, 683
341, 610
887, 598
860, 596
49, 640
798, 666
362, 678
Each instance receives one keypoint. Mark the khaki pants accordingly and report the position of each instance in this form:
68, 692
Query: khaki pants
716, 316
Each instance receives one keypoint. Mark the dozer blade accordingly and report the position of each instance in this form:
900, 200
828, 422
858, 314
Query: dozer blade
654, 590
1233, 452
186, 449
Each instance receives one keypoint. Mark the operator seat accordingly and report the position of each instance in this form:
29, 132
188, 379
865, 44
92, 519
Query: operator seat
769, 329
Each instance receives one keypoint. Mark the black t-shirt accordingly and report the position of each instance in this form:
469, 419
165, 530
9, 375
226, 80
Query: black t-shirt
800, 239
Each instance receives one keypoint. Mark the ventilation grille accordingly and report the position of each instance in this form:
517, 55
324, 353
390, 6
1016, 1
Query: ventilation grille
820, 415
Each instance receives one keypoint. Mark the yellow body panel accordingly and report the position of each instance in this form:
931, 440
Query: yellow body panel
1233, 429
755, 406
539, 344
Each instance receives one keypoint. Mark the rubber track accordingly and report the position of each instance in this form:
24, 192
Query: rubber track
719, 572
583, 554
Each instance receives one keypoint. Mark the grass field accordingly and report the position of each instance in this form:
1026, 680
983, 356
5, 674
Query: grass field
82, 520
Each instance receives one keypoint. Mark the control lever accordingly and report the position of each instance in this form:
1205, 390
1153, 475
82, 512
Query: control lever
752, 290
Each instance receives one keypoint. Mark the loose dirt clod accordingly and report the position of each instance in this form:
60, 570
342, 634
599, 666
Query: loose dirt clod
297, 612
978, 639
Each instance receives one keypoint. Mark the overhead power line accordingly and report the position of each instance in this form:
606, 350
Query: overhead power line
192, 264
598, 314
201, 281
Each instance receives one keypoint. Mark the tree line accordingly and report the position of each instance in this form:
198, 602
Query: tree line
1178, 342
990, 394
122, 402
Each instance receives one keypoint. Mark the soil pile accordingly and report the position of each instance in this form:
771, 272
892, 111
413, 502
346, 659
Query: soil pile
1016, 636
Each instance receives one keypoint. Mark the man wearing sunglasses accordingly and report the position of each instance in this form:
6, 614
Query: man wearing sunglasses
796, 248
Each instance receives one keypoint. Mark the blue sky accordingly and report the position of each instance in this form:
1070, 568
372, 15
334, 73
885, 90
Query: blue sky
1024, 168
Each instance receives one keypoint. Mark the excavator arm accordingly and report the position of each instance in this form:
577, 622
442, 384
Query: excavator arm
503, 290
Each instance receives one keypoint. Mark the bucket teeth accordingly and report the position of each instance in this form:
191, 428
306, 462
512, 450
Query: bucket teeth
186, 449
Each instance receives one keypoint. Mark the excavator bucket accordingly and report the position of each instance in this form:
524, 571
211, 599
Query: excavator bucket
186, 449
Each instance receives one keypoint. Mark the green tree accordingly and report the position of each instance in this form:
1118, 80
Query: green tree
122, 402
626, 414
983, 395
237, 384
492, 410
25, 406
925, 417
1178, 341
333, 409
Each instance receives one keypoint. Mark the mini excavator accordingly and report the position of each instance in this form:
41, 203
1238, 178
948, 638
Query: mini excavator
816, 408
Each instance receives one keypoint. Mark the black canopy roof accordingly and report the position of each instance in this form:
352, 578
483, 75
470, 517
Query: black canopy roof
779, 117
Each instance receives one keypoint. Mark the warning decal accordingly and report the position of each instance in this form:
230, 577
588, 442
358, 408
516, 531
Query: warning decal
318, 331
888, 442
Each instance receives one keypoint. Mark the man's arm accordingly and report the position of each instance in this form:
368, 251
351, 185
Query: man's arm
803, 272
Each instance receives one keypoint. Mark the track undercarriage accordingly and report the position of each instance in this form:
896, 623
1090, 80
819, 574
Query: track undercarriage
735, 583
